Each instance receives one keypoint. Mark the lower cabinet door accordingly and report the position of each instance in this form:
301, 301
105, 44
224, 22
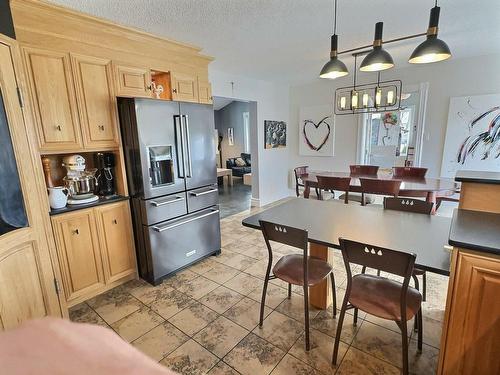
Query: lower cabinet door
116, 239
79, 256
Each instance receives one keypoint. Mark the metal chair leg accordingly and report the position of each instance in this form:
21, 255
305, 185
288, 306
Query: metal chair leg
404, 338
339, 331
420, 329
424, 286
289, 290
263, 301
416, 326
355, 317
306, 316
334, 295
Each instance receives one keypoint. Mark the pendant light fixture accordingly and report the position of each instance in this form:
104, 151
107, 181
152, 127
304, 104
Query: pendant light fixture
432, 49
378, 59
334, 68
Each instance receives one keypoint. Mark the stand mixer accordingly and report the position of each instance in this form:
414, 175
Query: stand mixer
80, 183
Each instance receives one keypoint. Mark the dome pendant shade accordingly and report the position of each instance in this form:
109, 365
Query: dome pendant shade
378, 59
432, 49
334, 68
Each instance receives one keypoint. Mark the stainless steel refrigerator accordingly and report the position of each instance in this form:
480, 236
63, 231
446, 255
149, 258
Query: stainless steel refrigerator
171, 170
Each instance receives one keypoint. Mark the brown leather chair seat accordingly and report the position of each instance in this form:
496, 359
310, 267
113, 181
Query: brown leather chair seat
290, 268
382, 297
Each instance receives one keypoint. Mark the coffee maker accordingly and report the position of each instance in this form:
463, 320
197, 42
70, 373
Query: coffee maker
105, 163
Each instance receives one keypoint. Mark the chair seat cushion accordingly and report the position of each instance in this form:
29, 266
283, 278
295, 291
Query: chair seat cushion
381, 297
290, 268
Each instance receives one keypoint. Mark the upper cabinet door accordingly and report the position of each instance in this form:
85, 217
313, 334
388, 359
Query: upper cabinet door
93, 82
184, 87
205, 92
133, 81
54, 100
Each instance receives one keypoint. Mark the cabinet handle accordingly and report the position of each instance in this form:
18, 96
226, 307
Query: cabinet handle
76, 231
58, 127
174, 90
101, 127
115, 221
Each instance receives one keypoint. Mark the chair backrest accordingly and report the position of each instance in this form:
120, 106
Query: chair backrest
299, 172
409, 205
334, 183
383, 187
416, 172
364, 169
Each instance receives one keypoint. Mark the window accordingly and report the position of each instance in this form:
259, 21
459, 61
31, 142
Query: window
246, 131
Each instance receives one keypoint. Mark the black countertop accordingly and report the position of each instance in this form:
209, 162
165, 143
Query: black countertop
101, 201
475, 230
478, 176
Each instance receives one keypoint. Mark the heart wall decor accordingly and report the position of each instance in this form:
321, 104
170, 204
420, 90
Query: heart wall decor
316, 131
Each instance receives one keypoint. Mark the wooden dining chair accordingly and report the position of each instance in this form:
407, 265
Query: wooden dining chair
380, 296
419, 207
298, 173
379, 187
364, 169
295, 269
416, 172
334, 183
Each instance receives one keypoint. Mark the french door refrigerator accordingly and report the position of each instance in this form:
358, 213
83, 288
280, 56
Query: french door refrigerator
171, 170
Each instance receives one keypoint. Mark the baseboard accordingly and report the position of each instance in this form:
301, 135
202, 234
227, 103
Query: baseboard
254, 202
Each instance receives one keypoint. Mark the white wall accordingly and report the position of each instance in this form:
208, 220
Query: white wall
272, 104
472, 76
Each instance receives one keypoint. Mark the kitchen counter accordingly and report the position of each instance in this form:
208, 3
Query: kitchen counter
101, 201
476, 230
478, 176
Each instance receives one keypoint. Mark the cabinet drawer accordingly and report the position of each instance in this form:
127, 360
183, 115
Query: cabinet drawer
199, 199
163, 208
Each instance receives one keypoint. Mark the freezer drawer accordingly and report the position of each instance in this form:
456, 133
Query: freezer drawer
177, 243
163, 208
199, 199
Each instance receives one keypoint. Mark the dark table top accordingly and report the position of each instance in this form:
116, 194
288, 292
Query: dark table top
478, 176
408, 184
476, 230
326, 221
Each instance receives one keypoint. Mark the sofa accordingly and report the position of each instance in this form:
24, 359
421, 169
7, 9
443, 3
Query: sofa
245, 165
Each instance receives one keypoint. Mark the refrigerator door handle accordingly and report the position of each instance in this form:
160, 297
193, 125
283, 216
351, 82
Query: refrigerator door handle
167, 201
179, 135
167, 227
188, 147
204, 192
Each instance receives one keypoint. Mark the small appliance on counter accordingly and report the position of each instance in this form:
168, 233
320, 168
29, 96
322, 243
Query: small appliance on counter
105, 163
81, 183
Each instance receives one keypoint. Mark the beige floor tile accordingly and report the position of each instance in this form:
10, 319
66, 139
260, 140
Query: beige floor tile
220, 336
225, 255
244, 283
240, 262
294, 308
221, 299
254, 355
171, 304
193, 318
180, 278
137, 324
82, 313
190, 359
424, 362
258, 269
320, 354
246, 313
290, 365
198, 287
203, 266
274, 295
280, 330
432, 332
147, 293
222, 368
327, 323
388, 324
160, 341
356, 362
114, 305
220, 273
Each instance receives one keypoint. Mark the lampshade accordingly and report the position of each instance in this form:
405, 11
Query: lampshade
432, 49
333, 68
378, 59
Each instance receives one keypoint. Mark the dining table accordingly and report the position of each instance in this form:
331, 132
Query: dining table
327, 221
426, 187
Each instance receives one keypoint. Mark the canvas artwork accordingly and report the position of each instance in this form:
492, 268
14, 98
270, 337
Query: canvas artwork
472, 135
230, 136
275, 134
316, 131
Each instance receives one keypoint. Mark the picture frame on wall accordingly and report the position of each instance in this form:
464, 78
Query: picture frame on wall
316, 131
230, 136
274, 134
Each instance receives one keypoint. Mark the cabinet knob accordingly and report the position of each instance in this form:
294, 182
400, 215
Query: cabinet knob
76, 231
115, 221
174, 90
58, 127
101, 127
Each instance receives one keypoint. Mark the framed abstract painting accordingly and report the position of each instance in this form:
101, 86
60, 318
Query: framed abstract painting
274, 134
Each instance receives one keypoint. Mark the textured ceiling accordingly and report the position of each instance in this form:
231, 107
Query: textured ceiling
288, 40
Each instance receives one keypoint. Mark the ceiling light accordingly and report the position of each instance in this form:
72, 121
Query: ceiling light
378, 59
432, 49
334, 68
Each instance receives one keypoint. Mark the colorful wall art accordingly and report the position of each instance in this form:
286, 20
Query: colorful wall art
472, 135
316, 131
275, 134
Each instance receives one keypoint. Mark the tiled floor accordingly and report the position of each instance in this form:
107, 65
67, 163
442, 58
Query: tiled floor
205, 319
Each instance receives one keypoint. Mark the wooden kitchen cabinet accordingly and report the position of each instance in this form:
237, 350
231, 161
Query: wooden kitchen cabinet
95, 247
79, 255
132, 81
96, 102
54, 103
116, 240
204, 92
184, 87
